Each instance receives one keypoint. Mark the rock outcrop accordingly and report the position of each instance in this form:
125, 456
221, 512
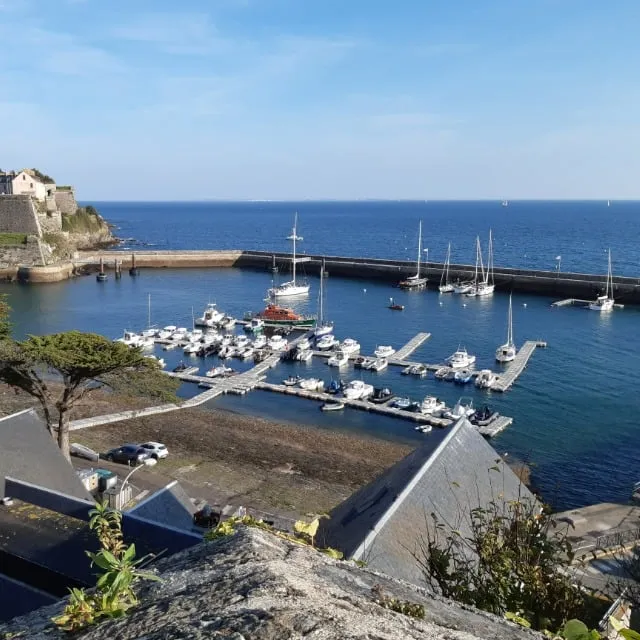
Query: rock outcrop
254, 585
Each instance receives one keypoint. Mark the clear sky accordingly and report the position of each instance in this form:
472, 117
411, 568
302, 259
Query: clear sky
293, 99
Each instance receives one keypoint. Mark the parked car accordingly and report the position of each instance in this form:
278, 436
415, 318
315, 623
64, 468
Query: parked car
128, 454
156, 450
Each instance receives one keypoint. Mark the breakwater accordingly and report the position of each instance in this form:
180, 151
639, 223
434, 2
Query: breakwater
548, 283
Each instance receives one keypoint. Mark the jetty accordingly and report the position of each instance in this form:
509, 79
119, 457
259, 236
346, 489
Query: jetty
495, 427
577, 302
404, 352
517, 365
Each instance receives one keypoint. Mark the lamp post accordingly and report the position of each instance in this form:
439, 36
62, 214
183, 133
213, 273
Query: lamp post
558, 261
148, 462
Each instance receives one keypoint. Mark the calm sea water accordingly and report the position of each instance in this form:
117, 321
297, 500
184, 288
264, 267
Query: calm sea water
576, 406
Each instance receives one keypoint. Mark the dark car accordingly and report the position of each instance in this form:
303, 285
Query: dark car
131, 454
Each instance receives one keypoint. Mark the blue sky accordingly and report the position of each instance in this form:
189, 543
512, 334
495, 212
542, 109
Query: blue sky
292, 99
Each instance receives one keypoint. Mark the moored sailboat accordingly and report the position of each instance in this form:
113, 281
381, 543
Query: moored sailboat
323, 326
445, 285
605, 302
293, 288
417, 281
507, 352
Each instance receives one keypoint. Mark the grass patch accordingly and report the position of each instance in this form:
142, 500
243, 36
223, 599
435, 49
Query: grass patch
85, 220
12, 239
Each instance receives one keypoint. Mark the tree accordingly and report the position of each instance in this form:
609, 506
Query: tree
60, 369
506, 558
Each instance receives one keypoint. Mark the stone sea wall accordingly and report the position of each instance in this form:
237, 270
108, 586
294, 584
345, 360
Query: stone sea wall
18, 215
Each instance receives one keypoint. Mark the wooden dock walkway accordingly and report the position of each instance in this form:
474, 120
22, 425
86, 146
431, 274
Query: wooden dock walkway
404, 352
517, 366
577, 302
498, 425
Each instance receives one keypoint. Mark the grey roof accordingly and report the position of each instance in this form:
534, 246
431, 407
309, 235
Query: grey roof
170, 506
28, 453
383, 522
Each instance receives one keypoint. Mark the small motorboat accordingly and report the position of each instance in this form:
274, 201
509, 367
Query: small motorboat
441, 373
460, 359
335, 386
312, 384
424, 428
304, 356
462, 409
240, 341
180, 368
260, 342
332, 406
384, 351
401, 403
380, 364
463, 376
255, 325
432, 405
326, 342
358, 390
417, 370
291, 381
381, 395
394, 306
364, 362
277, 343
219, 372
350, 346
247, 353
486, 379
303, 344
484, 416
339, 359
191, 348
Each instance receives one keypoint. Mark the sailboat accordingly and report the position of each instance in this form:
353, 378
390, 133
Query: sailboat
505, 203
323, 326
445, 286
417, 281
605, 302
292, 289
474, 285
507, 352
486, 287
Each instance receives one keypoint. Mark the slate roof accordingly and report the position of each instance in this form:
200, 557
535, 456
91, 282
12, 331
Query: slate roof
170, 506
382, 523
28, 453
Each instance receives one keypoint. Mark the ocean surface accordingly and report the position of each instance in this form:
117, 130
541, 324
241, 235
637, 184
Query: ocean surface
576, 406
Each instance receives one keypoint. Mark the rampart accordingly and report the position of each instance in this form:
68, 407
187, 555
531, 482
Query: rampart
18, 215
66, 200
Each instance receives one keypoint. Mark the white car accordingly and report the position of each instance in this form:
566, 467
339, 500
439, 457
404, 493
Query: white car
156, 450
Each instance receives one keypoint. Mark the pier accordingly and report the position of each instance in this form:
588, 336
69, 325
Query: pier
404, 352
517, 366
577, 302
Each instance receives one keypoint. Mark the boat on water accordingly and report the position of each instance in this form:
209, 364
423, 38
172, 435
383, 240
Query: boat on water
335, 386
463, 376
227, 323
379, 364
445, 285
306, 355
401, 403
255, 325
460, 359
505, 203
332, 406
159, 361
274, 315
211, 316
303, 344
260, 342
323, 326
431, 405
293, 288
326, 342
416, 281
247, 353
424, 428
507, 351
384, 351
291, 381
339, 359
192, 348
394, 306
381, 395
606, 301
358, 390
277, 343
219, 372
483, 416
311, 384
130, 338
462, 409
441, 373
462, 287
418, 370
483, 280
486, 379
363, 362
350, 346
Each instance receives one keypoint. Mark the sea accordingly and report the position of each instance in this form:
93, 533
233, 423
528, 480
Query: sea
575, 407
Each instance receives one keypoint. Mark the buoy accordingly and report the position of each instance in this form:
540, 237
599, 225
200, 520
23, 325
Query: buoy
524, 304
441, 304
365, 290
464, 304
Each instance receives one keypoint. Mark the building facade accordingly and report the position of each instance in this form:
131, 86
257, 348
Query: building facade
6, 183
28, 184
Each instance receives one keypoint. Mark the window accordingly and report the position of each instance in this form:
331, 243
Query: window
24, 177
31, 185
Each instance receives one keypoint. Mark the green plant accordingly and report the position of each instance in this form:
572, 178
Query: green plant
114, 594
577, 630
13, 239
84, 220
405, 607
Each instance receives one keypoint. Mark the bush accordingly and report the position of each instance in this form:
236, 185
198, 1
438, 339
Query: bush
85, 220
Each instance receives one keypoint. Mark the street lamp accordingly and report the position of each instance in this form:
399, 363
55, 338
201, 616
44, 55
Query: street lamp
558, 261
148, 462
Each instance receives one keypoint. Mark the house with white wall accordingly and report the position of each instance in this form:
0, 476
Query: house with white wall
28, 184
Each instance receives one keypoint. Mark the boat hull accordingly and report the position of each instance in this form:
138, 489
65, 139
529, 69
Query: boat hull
446, 288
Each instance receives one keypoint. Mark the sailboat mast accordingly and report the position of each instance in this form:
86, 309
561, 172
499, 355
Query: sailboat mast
490, 262
478, 257
293, 265
446, 279
419, 246
609, 279
510, 328
321, 310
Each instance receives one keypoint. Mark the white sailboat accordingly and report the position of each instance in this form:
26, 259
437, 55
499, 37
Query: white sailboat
323, 327
445, 286
474, 285
486, 287
507, 352
292, 289
417, 281
605, 302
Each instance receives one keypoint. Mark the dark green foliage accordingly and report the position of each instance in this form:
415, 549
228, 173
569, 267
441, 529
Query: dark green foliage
43, 177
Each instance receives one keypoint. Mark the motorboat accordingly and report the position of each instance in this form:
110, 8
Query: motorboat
606, 301
332, 406
192, 348
240, 341
277, 343
218, 372
293, 288
484, 416
159, 361
335, 386
196, 335
274, 315
210, 317
306, 355
358, 390
146, 343
401, 403
394, 306
130, 338
507, 352
424, 428
247, 353
460, 359
463, 376
227, 323
379, 364
312, 384
164, 334
149, 333
441, 373
432, 405
255, 325
486, 379
181, 367
416, 281
381, 395
291, 381
209, 338
364, 362
350, 346
417, 370
179, 334
226, 339
462, 409
384, 351
445, 285
260, 342
339, 359
303, 344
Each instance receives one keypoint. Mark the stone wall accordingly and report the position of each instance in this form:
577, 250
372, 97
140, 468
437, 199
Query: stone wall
30, 253
51, 222
66, 201
18, 215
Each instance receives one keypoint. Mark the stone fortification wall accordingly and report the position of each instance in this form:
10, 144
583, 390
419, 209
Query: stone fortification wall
66, 201
31, 253
51, 222
18, 215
